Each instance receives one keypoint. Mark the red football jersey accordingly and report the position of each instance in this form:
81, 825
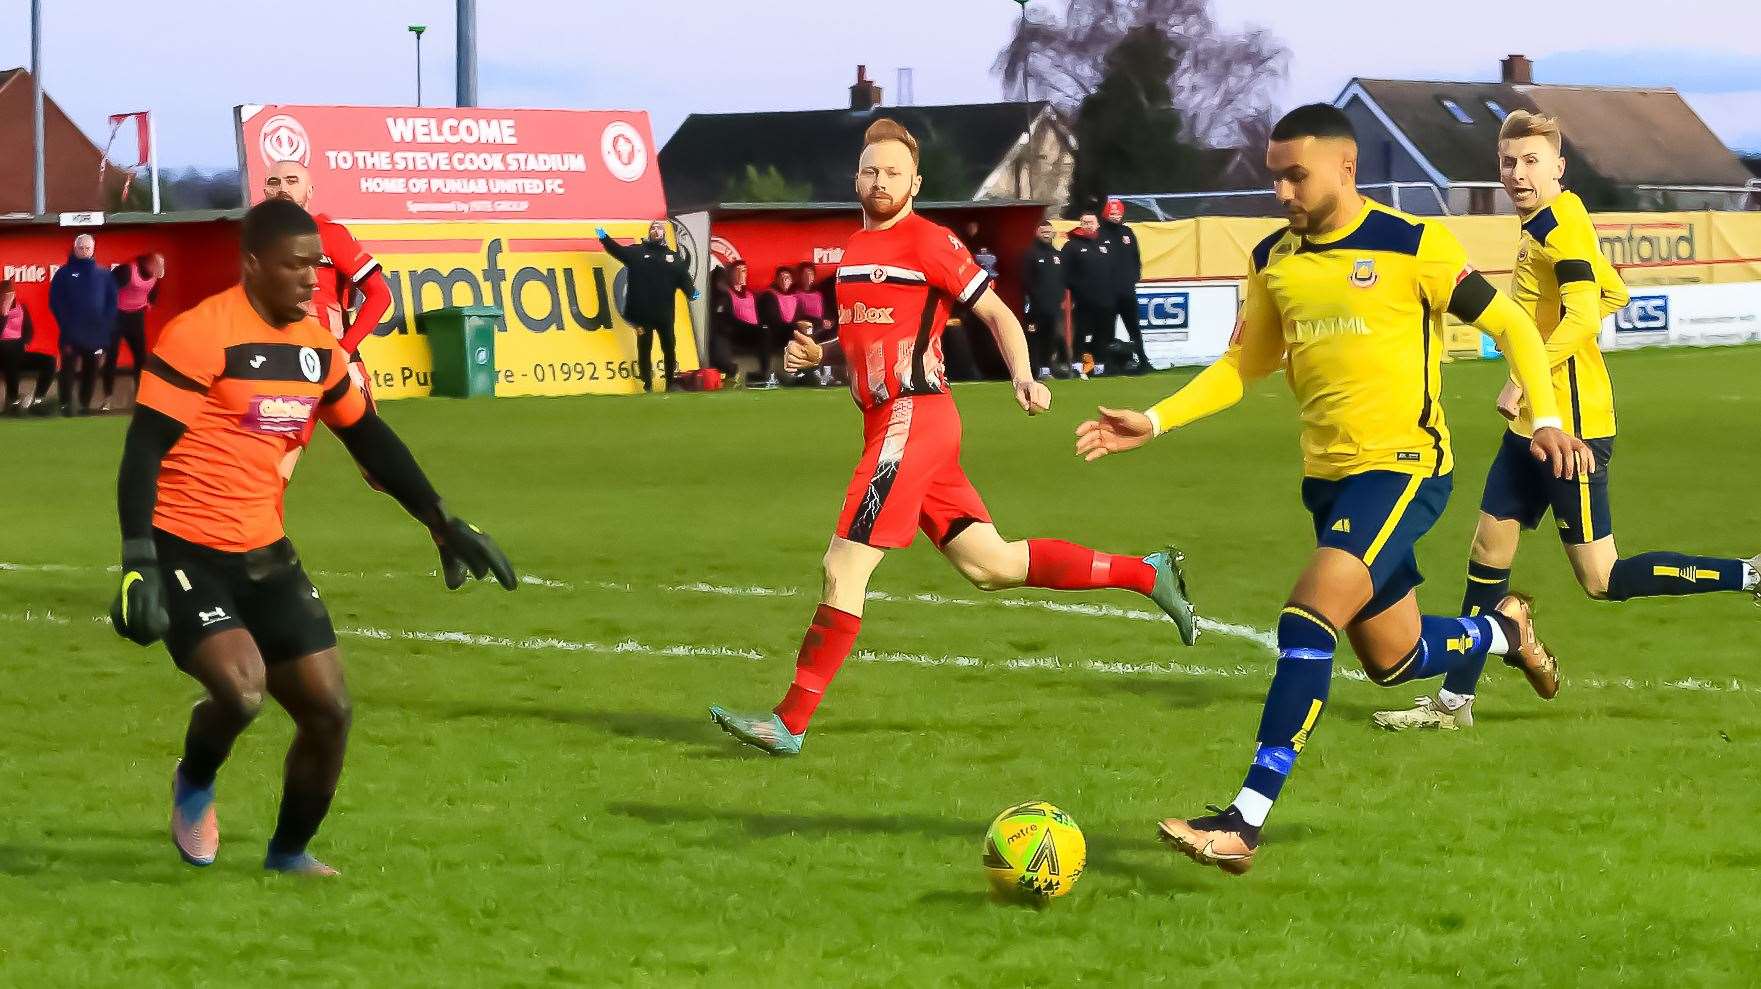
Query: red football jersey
896, 288
344, 265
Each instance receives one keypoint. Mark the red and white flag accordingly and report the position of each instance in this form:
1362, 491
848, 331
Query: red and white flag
143, 134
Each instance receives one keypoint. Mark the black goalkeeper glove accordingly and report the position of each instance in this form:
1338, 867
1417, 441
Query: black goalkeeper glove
138, 613
466, 551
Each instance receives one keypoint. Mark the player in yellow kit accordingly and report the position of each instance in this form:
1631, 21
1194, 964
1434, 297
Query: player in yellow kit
1349, 299
1566, 284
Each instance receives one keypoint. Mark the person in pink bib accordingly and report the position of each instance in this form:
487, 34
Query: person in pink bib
811, 308
137, 289
735, 323
778, 307
16, 331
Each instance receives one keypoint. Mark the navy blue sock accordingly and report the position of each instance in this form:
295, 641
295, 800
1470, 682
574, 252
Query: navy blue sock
1445, 645
1650, 575
1306, 643
1486, 586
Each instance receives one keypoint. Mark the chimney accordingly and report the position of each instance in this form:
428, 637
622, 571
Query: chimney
865, 95
1517, 70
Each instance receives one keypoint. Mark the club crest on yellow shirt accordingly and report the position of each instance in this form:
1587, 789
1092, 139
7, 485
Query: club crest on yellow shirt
1363, 272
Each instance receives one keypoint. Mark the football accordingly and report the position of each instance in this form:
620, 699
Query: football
1034, 851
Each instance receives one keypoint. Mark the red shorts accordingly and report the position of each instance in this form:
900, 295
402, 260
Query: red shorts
910, 477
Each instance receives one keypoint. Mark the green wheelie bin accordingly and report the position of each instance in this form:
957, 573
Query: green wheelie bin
462, 339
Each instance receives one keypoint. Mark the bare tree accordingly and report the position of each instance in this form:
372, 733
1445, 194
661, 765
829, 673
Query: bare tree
1222, 81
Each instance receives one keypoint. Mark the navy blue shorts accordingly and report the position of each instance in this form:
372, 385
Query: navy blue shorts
1378, 516
1522, 489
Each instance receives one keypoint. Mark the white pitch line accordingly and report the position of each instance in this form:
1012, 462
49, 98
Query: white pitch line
699, 587
473, 639
547, 643
627, 647
1246, 632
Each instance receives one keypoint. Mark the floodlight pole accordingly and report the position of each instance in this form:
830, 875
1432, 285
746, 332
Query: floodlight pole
466, 44
153, 157
417, 29
1021, 32
41, 202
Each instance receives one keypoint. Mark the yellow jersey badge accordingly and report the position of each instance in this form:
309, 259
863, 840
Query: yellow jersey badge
1363, 272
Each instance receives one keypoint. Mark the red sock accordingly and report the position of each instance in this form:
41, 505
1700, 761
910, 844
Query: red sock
1064, 566
827, 643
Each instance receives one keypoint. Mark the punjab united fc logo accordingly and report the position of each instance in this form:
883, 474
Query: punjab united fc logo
283, 139
624, 152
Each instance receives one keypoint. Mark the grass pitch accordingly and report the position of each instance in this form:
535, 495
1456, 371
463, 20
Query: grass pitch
535, 794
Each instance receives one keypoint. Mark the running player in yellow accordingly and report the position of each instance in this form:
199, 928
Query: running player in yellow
1566, 284
1349, 300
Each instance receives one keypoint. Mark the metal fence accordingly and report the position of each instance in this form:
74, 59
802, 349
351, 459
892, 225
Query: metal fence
1422, 198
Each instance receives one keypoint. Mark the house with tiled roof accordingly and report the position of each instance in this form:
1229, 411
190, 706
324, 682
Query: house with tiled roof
1626, 147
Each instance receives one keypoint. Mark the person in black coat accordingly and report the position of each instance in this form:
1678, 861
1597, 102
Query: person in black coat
653, 271
1043, 288
82, 298
1094, 289
721, 324
1127, 263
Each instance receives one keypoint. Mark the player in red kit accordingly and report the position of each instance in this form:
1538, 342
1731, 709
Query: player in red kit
899, 278
345, 269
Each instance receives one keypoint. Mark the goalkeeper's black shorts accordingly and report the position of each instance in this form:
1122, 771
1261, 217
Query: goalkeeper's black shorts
265, 592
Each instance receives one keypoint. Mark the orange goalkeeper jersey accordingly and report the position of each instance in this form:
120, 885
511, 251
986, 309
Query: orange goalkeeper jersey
245, 392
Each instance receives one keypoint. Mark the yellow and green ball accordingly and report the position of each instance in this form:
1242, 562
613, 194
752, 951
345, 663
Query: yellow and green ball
1034, 850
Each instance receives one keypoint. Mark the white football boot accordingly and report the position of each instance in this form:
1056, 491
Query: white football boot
1428, 712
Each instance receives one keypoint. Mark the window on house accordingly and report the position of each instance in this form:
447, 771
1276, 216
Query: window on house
1497, 110
1455, 110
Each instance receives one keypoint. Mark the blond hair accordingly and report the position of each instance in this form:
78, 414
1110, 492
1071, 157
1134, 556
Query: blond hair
887, 129
1522, 123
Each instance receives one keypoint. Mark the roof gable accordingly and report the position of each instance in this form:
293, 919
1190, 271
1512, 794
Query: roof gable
1640, 136
1461, 152
1629, 137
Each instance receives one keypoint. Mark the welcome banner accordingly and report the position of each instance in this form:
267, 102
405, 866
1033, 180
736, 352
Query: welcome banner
470, 163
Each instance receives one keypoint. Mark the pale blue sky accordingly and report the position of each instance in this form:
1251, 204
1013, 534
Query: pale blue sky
673, 57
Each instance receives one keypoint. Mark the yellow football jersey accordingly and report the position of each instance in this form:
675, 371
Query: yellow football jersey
1358, 313
1558, 250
